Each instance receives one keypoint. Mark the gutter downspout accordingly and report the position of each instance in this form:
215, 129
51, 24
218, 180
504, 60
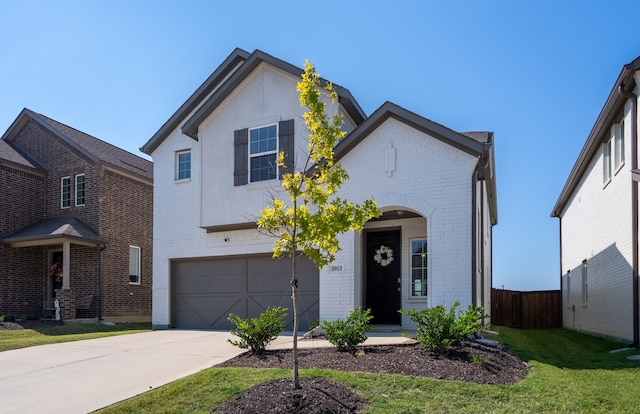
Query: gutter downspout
474, 241
634, 210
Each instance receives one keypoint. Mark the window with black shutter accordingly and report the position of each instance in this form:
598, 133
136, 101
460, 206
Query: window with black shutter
256, 151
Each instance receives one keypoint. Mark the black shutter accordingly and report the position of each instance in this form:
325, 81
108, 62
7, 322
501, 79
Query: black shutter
240, 157
285, 135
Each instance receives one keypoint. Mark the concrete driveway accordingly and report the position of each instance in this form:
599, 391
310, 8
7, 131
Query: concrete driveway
80, 377
83, 376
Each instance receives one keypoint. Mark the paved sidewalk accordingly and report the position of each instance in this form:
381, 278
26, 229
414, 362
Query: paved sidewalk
83, 376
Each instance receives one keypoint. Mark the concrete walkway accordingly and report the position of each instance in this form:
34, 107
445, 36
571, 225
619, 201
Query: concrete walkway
83, 376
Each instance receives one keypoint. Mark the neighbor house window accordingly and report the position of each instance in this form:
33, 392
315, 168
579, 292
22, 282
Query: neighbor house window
606, 162
183, 165
134, 265
80, 190
568, 288
419, 267
263, 150
585, 286
618, 137
65, 192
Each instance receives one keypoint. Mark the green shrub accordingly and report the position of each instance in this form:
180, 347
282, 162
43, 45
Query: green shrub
29, 317
256, 333
8, 318
438, 329
349, 333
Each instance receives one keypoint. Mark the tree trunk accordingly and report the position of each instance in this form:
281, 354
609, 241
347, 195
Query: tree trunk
294, 297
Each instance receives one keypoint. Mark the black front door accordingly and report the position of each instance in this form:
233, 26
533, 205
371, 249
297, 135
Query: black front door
383, 276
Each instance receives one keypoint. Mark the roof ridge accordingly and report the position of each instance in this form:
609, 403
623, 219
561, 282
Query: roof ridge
85, 134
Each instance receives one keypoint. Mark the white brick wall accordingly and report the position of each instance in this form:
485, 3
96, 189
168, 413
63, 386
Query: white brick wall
596, 227
430, 178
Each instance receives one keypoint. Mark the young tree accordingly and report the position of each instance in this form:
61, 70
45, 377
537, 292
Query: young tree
313, 217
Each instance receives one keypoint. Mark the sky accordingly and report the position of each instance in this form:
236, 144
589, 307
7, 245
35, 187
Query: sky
535, 73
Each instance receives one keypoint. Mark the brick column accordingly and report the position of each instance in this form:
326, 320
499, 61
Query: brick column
67, 298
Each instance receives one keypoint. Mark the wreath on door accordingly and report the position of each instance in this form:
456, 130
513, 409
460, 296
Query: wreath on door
383, 256
56, 272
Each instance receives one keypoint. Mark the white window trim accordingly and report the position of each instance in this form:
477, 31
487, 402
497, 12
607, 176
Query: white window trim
76, 189
260, 154
138, 270
411, 296
177, 166
62, 192
606, 163
617, 132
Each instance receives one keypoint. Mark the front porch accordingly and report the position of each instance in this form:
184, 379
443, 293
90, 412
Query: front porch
70, 252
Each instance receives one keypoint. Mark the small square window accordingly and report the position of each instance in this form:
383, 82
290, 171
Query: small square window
80, 190
263, 149
183, 165
65, 192
134, 265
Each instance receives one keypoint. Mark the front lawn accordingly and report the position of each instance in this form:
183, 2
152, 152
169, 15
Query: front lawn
570, 372
23, 338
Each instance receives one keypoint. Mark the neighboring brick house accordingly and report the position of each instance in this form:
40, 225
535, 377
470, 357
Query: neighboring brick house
598, 220
214, 172
76, 219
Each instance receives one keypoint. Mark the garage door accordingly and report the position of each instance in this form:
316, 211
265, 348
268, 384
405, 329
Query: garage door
205, 291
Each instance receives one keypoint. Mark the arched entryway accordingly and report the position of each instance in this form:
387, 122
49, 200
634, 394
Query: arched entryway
387, 280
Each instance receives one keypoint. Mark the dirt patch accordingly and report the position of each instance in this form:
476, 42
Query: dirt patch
469, 361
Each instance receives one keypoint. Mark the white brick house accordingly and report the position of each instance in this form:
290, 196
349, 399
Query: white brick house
598, 218
214, 172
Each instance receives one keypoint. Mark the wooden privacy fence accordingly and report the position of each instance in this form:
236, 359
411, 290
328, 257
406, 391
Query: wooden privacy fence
528, 310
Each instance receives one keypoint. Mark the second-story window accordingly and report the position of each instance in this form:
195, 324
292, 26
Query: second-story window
263, 150
65, 192
618, 137
183, 165
80, 190
606, 162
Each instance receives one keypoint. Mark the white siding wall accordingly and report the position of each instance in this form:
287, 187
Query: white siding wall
596, 226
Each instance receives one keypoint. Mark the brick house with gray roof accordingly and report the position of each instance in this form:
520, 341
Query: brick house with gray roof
75, 224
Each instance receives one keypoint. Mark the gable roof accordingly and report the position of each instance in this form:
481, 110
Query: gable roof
11, 156
53, 231
599, 133
90, 147
222, 82
477, 144
237, 57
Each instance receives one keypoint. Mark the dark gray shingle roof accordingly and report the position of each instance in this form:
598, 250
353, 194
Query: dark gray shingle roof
102, 150
91, 147
8, 153
70, 227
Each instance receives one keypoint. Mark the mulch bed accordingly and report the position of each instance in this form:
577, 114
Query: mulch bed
469, 362
36, 324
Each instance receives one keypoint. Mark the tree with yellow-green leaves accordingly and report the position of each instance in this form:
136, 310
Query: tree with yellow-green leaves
310, 219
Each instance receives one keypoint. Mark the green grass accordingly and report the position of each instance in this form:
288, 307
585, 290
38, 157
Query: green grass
23, 338
570, 372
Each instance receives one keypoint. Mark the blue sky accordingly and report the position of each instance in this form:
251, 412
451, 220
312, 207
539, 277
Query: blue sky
536, 73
